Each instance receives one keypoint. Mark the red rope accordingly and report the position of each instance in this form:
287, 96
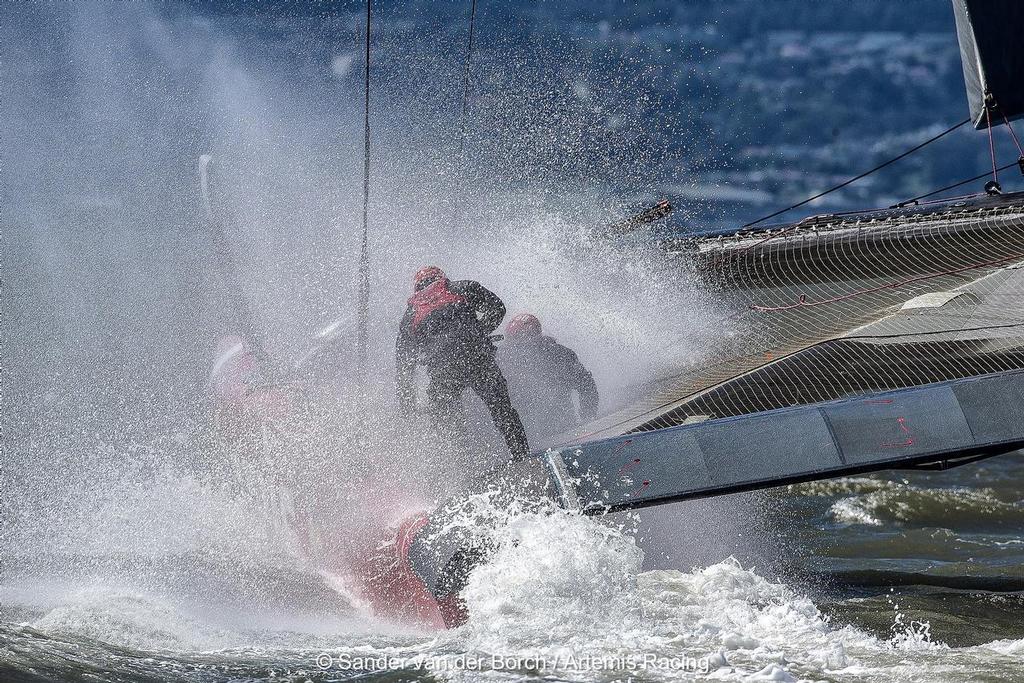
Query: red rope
803, 303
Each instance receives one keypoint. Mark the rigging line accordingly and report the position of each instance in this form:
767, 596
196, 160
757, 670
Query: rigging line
858, 177
1013, 135
954, 198
991, 144
362, 339
465, 79
949, 187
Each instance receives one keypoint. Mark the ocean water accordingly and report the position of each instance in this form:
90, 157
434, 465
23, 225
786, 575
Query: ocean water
127, 553
914, 577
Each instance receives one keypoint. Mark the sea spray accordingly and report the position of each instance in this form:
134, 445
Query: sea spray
111, 281
565, 588
555, 573
909, 634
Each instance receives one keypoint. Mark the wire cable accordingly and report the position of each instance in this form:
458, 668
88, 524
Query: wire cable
858, 177
991, 145
362, 340
465, 79
954, 185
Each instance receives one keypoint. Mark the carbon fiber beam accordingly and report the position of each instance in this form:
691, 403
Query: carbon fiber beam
936, 423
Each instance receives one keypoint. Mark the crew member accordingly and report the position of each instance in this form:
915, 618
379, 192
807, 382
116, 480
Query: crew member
329, 362
234, 374
447, 328
244, 398
549, 385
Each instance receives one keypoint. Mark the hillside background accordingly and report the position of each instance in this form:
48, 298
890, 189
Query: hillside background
744, 105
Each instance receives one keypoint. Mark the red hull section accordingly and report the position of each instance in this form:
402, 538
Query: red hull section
388, 585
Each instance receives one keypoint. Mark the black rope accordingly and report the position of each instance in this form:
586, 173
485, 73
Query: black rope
950, 187
858, 177
465, 79
362, 339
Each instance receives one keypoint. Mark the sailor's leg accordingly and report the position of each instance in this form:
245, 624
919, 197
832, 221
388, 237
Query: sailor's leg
445, 394
490, 385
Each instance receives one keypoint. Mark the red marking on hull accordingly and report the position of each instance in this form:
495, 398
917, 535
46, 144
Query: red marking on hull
902, 422
628, 466
621, 446
640, 490
453, 610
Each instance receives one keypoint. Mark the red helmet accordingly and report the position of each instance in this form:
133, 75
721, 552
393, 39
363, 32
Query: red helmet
425, 275
523, 326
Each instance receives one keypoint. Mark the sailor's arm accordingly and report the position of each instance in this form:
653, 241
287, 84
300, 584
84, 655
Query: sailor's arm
583, 382
405, 364
489, 308
588, 395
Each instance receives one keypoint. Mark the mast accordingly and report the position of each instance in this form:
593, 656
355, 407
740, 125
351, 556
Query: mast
362, 340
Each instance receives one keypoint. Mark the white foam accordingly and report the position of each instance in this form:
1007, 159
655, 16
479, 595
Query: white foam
562, 584
132, 620
1005, 647
772, 672
593, 583
853, 511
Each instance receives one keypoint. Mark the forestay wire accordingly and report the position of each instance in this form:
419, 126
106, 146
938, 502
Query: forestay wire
859, 176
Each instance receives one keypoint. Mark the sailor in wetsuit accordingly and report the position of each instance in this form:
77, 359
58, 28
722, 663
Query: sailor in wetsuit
546, 379
447, 328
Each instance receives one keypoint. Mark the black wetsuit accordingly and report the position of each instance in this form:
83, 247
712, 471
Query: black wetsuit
447, 328
543, 375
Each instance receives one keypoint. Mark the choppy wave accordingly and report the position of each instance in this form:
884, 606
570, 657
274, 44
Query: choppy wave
131, 620
966, 508
560, 594
879, 501
561, 584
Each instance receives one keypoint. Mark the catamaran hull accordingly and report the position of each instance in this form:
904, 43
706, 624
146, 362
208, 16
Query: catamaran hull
934, 426
385, 581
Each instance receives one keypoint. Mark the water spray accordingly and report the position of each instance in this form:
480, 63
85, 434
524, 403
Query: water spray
243, 314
